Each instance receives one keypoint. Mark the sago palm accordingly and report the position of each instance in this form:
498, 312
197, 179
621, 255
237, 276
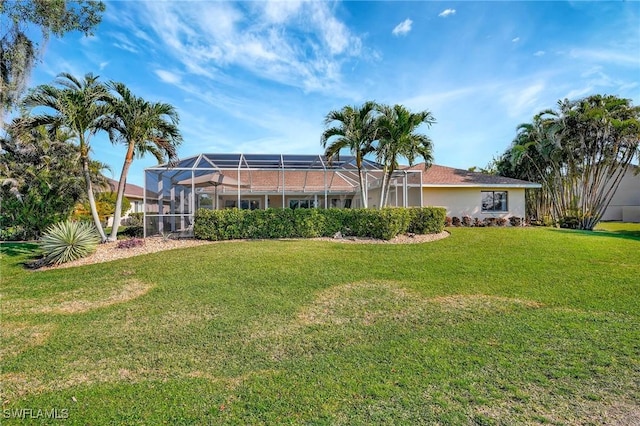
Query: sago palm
145, 128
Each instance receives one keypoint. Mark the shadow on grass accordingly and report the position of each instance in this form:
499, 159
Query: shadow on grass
624, 234
29, 251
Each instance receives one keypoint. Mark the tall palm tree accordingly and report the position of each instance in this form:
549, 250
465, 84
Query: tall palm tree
355, 129
145, 127
398, 138
78, 107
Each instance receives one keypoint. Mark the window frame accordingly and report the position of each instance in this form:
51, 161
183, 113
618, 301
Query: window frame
493, 198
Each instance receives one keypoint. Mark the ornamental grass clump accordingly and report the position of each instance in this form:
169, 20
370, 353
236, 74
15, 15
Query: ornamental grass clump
67, 241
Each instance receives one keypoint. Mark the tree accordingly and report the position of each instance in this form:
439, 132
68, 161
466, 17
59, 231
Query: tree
19, 51
398, 138
580, 152
40, 180
145, 127
105, 204
79, 107
355, 129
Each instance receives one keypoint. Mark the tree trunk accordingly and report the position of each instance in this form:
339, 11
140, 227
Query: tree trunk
121, 186
384, 179
363, 190
388, 187
92, 201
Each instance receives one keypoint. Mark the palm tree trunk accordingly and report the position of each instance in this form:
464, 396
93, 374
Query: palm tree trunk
92, 201
382, 186
387, 188
121, 186
363, 189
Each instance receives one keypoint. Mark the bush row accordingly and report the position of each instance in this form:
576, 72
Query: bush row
383, 224
489, 221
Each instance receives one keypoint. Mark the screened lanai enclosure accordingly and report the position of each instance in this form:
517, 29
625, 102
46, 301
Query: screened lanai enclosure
173, 193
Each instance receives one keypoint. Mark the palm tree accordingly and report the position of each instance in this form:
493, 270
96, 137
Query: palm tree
356, 131
144, 127
397, 138
40, 177
79, 106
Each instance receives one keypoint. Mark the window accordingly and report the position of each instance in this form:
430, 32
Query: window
244, 204
338, 203
301, 204
494, 201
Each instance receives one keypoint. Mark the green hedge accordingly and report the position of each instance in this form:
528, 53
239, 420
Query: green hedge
231, 224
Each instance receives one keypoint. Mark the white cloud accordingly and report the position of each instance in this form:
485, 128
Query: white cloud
515, 40
447, 12
578, 93
402, 28
521, 100
123, 42
300, 44
103, 65
539, 53
280, 11
605, 56
168, 76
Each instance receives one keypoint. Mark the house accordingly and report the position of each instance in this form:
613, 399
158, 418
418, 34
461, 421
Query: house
478, 195
625, 203
135, 195
258, 181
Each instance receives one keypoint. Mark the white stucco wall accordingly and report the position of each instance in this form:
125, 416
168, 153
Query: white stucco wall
625, 204
467, 201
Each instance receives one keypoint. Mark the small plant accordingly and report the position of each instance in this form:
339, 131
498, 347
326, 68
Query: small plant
455, 221
66, 241
134, 219
501, 221
477, 222
132, 231
447, 221
490, 221
130, 243
467, 221
515, 221
570, 222
166, 236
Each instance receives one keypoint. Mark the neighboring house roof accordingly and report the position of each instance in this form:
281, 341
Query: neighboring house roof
130, 190
441, 176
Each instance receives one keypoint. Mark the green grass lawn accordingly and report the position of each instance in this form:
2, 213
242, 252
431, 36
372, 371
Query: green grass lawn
489, 326
624, 228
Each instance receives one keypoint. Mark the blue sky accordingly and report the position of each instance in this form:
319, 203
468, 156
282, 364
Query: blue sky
259, 77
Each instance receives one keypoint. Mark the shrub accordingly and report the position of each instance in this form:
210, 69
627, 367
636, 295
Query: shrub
490, 221
134, 219
455, 221
130, 243
501, 221
515, 221
478, 222
466, 221
447, 221
570, 222
67, 241
14, 233
427, 220
132, 232
308, 223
